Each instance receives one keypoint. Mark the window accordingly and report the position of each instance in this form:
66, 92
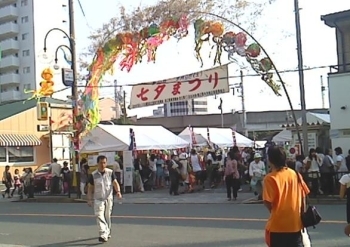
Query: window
25, 36
25, 19
24, 2
3, 154
25, 53
26, 70
27, 87
20, 154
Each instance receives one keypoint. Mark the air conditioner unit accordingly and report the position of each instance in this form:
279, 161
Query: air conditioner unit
43, 127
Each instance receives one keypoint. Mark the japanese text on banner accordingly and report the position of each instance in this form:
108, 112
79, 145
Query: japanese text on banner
201, 84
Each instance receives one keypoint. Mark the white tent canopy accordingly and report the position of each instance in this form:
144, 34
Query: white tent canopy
200, 140
283, 136
109, 138
222, 137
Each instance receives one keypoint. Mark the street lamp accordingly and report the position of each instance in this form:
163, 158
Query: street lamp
72, 49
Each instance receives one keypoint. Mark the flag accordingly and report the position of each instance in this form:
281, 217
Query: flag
234, 136
132, 145
193, 137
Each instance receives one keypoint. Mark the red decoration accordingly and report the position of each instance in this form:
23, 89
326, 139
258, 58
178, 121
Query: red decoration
176, 88
214, 79
292, 150
142, 94
159, 89
198, 84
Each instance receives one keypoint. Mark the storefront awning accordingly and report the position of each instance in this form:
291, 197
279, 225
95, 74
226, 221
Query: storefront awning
18, 140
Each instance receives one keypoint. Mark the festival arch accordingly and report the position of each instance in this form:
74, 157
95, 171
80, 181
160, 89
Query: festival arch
133, 47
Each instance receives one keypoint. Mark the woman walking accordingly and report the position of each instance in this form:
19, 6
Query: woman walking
7, 181
231, 177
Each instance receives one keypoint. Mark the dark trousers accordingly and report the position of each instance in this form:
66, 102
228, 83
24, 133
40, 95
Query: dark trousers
16, 186
30, 191
314, 186
327, 184
55, 183
288, 239
8, 188
174, 184
232, 186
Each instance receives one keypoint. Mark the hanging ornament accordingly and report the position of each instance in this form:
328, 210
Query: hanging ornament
240, 39
216, 29
253, 50
153, 29
265, 65
229, 38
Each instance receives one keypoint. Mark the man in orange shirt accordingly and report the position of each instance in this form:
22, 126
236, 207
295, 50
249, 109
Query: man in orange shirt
283, 196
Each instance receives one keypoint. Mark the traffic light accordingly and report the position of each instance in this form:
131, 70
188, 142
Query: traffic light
42, 111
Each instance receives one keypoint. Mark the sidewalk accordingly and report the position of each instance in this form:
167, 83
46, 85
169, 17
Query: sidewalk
148, 197
208, 196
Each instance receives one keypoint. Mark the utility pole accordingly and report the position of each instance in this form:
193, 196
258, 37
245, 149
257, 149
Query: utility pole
323, 89
244, 113
116, 98
75, 158
305, 143
221, 113
124, 107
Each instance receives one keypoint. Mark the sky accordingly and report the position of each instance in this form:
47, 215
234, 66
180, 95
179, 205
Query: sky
275, 31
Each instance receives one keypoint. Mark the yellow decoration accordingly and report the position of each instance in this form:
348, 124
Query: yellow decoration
46, 85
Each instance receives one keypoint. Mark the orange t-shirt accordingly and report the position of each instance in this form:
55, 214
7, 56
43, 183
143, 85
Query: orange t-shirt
282, 190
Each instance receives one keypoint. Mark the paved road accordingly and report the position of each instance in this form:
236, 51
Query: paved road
156, 225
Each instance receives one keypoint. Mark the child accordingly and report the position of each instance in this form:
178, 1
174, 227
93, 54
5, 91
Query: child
66, 177
17, 184
166, 176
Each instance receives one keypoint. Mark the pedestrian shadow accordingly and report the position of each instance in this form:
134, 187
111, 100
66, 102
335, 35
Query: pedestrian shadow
254, 241
79, 242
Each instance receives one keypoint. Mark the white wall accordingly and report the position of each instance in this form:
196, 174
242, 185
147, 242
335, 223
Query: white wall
339, 95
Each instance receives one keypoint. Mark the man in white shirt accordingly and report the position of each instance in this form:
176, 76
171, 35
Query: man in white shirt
257, 172
55, 170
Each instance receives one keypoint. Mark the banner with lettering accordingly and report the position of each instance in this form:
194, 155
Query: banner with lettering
201, 84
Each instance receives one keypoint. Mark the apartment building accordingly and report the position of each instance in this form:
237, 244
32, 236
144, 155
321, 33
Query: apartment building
184, 108
23, 27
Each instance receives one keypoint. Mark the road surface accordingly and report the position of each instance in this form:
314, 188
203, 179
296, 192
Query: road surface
146, 225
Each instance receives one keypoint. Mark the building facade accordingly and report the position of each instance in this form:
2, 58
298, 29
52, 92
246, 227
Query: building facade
109, 109
188, 107
159, 112
26, 141
338, 81
23, 26
257, 122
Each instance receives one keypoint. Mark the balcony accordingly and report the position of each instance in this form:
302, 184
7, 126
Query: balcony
4, 3
8, 14
9, 63
10, 79
8, 30
10, 96
9, 47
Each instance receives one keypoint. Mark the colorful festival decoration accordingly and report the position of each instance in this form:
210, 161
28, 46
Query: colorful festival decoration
46, 86
132, 47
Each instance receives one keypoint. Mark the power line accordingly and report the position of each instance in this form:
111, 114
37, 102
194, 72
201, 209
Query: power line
227, 77
83, 12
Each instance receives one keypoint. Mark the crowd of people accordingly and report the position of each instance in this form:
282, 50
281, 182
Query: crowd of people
22, 183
